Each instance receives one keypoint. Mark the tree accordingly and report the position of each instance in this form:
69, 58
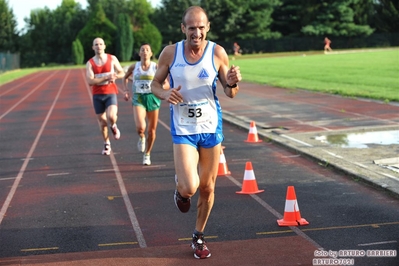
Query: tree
98, 26
139, 12
35, 43
124, 44
256, 19
387, 15
230, 19
363, 12
68, 18
111, 8
335, 19
49, 34
8, 29
77, 52
148, 34
144, 31
168, 18
291, 15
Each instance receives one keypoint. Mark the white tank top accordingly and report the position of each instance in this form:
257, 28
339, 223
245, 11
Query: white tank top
142, 79
200, 111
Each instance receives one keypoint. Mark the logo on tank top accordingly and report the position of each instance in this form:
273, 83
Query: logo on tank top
179, 65
203, 74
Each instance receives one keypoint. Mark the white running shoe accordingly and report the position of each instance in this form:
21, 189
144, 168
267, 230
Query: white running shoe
146, 159
141, 144
107, 149
116, 132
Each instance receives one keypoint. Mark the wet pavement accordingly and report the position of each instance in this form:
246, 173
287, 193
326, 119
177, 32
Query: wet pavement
357, 136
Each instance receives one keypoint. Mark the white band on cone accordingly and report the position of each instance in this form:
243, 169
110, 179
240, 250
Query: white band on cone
291, 206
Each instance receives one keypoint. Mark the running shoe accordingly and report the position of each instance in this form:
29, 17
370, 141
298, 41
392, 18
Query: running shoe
146, 159
116, 132
107, 149
141, 144
201, 251
183, 204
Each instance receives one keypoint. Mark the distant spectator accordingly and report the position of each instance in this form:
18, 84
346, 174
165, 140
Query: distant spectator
236, 49
327, 43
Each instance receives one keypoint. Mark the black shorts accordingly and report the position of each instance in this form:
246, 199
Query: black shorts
102, 101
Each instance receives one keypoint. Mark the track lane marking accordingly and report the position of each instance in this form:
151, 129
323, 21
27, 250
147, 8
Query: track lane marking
15, 185
117, 244
103, 170
374, 225
378, 243
190, 239
39, 249
29, 94
128, 204
20, 84
58, 174
7, 178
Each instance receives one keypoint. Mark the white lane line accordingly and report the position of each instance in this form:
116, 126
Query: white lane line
122, 187
104, 170
21, 83
361, 165
333, 154
27, 95
390, 176
296, 140
10, 195
58, 174
128, 204
154, 166
291, 156
164, 124
378, 243
7, 178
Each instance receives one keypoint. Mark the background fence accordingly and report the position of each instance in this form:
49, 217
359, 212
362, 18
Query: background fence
9, 61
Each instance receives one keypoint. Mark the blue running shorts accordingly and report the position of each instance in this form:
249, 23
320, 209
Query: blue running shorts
205, 140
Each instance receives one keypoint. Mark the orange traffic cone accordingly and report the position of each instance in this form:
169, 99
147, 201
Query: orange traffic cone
292, 216
253, 133
223, 170
249, 185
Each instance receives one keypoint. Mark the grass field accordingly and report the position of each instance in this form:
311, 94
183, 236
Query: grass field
360, 73
369, 74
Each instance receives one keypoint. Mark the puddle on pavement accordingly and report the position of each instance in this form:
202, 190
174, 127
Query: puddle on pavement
361, 140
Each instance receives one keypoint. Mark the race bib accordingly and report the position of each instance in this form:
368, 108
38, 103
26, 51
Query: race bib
100, 75
143, 86
194, 113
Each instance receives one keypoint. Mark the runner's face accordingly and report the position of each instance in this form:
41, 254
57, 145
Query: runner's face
145, 52
98, 46
196, 28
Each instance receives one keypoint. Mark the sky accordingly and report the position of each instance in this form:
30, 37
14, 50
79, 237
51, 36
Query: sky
22, 8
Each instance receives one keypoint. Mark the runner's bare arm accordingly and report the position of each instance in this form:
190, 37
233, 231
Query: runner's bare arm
90, 77
171, 95
126, 77
119, 72
229, 77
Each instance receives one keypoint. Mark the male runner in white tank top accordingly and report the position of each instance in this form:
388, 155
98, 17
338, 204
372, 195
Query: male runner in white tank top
194, 66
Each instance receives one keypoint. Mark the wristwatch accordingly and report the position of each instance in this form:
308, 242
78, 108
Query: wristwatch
231, 86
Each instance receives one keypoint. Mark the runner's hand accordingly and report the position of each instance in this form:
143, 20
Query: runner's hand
173, 96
